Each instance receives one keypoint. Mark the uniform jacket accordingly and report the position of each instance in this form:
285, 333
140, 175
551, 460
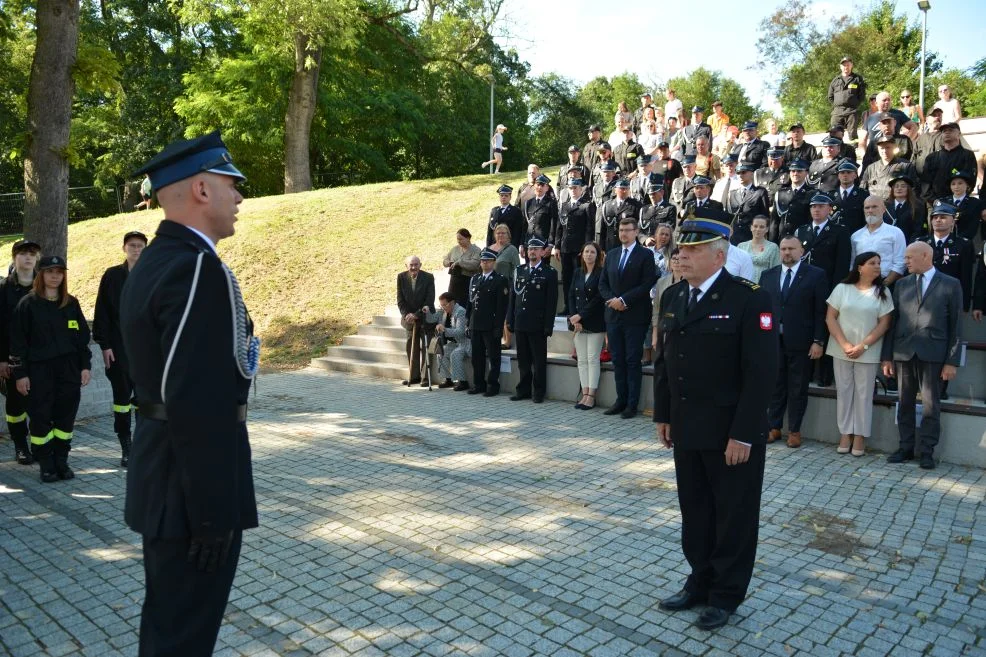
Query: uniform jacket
968, 219
847, 92
41, 331
928, 330
831, 250
801, 314
805, 151
670, 169
754, 152
714, 209
912, 220
926, 144
633, 284
584, 300
744, 204
612, 213
190, 475
824, 175
488, 300
681, 191
876, 177
576, 224
715, 366
626, 155
938, 167
513, 218
850, 210
106, 319
590, 157
534, 299
956, 258
541, 216
653, 215
791, 208
693, 131
562, 181
771, 179
11, 292
413, 300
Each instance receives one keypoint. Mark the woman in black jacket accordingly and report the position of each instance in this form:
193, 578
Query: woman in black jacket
588, 321
49, 354
905, 210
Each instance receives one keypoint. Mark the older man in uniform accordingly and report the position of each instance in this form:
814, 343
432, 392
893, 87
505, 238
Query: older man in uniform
823, 172
507, 214
615, 210
489, 294
846, 93
773, 176
791, 206
531, 318
681, 188
713, 376
657, 211
192, 357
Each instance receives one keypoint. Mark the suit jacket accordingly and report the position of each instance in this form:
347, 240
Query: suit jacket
744, 205
851, 209
801, 314
423, 294
488, 299
633, 285
956, 258
513, 218
584, 300
534, 299
541, 216
930, 329
715, 366
831, 251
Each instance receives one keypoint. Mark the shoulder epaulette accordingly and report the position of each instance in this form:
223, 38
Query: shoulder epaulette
748, 283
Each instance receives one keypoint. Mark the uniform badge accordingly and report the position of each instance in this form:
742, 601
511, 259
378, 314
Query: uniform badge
766, 321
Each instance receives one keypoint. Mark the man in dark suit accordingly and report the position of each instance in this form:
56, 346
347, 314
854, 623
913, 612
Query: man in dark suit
628, 276
489, 294
700, 200
415, 298
192, 357
541, 211
849, 198
791, 205
922, 347
716, 364
508, 214
798, 292
531, 318
745, 202
575, 226
615, 210
827, 246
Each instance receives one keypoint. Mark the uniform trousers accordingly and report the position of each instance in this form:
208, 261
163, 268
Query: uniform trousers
791, 389
16, 410
912, 375
588, 347
626, 345
53, 401
452, 362
854, 384
569, 263
532, 361
184, 607
123, 401
720, 517
485, 351
848, 118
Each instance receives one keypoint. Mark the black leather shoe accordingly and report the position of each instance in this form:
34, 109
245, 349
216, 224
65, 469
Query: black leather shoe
711, 618
49, 477
476, 391
23, 457
628, 413
410, 382
447, 383
682, 600
900, 456
518, 397
537, 400
460, 386
65, 473
615, 409
927, 462
491, 392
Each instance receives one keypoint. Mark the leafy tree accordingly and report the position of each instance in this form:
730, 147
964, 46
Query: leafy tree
703, 87
558, 118
601, 96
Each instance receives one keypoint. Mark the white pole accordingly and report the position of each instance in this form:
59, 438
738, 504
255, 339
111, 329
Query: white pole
492, 125
924, 38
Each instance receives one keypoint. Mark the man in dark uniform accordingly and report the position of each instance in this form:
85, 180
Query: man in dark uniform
615, 210
699, 201
576, 225
823, 172
574, 165
939, 166
877, 175
791, 207
106, 333
754, 149
797, 148
12, 289
640, 182
192, 356
657, 211
848, 151
531, 318
541, 211
605, 154
681, 188
590, 156
666, 166
716, 362
508, 214
745, 202
954, 255
697, 128
848, 198
489, 294
627, 153
773, 176
846, 92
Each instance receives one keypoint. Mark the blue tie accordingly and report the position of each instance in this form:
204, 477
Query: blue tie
623, 259
787, 284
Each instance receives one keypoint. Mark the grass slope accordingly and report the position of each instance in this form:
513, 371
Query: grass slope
315, 265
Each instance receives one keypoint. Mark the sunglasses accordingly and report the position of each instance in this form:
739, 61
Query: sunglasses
904, 97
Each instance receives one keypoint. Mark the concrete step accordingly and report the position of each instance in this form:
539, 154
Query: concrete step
379, 370
387, 320
374, 342
392, 332
369, 355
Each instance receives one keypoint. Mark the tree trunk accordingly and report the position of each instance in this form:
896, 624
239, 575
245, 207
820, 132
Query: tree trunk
49, 118
298, 119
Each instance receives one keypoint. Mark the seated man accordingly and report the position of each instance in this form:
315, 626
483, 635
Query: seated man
415, 299
454, 348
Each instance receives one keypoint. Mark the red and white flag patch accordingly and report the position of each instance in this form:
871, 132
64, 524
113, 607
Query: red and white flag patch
766, 321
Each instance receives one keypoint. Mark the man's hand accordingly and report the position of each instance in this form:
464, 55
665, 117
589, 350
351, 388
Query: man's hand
108, 358
556, 252
616, 304
408, 318
736, 453
977, 315
815, 352
4, 370
664, 434
888, 368
208, 552
24, 386
948, 372
86, 377
440, 328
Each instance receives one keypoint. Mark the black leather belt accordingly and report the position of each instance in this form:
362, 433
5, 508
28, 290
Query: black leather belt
160, 412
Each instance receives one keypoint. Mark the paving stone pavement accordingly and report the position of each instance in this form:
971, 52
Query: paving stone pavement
411, 523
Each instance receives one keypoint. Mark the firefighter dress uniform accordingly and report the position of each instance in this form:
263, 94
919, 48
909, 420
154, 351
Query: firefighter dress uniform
531, 318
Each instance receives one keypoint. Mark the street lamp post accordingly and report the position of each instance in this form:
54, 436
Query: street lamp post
492, 126
924, 6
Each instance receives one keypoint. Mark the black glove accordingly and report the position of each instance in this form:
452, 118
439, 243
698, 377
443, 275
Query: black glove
208, 552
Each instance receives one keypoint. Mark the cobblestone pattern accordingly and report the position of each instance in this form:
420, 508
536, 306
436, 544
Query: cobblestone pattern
411, 523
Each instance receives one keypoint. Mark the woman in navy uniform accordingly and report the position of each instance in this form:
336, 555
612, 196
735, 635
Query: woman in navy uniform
192, 357
49, 353
713, 376
106, 332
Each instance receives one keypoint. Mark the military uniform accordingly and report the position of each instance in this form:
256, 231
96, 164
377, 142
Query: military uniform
581, 171
651, 216
11, 292
541, 216
744, 204
681, 191
771, 180
613, 211
790, 210
847, 207
956, 257
488, 299
846, 94
904, 151
805, 151
830, 249
531, 318
590, 154
575, 227
823, 175
513, 218
754, 152
876, 177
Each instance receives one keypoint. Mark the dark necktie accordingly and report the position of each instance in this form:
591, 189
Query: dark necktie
623, 259
693, 299
787, 284
817, 230
920, 288
845, 194
940, 243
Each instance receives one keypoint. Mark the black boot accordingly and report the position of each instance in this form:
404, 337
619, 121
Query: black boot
46, 461
124, 450
62, 448
22, 450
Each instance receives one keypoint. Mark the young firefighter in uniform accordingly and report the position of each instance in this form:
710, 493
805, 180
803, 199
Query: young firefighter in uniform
49, 354
106, 332
12, 290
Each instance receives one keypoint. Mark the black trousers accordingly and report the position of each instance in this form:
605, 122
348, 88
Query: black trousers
847, 117
183, 608
569, 263
53, 401
532, 360
16, 410
791, 389
914, 375
123, 397
824, 370
720, 518
486, 351
626, 345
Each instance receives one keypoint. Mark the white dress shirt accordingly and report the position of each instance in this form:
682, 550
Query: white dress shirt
203, 236
739, 263
928, 275
887, 240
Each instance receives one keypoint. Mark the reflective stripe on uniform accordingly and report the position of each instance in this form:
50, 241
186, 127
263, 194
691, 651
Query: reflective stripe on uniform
117, 408
62, 435
42, 440
14, 419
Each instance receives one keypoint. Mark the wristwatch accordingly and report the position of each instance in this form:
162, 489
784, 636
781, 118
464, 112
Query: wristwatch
865, 346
